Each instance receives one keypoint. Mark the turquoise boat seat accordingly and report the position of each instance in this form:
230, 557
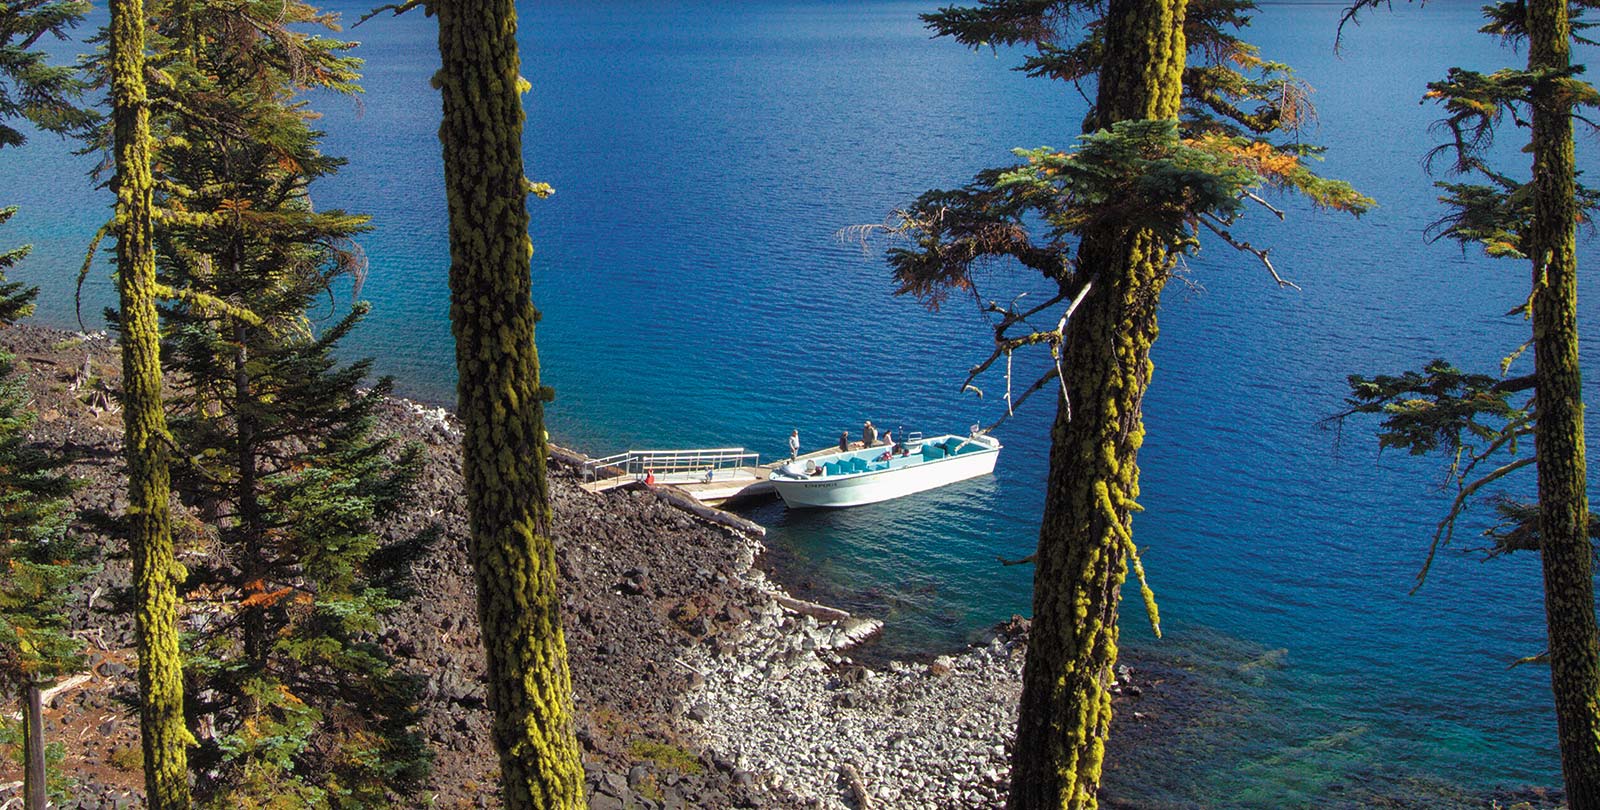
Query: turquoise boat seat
955, 447
931, 452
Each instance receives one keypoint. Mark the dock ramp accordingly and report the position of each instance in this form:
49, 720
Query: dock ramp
710, 475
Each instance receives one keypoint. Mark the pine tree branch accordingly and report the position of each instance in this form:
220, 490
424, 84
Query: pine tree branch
1517, 384
207, 302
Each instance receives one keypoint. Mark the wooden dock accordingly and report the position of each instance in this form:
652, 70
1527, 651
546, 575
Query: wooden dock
746, 482
713, 476
720, 486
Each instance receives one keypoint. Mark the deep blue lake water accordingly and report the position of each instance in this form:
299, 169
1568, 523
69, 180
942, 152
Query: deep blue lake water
695, 293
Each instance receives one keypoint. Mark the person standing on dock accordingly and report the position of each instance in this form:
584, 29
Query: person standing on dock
869, 434
794, 444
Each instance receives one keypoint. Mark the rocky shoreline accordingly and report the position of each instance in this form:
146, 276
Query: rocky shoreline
728, 692
695, 686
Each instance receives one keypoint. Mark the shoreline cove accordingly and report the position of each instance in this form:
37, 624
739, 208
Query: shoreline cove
674, 632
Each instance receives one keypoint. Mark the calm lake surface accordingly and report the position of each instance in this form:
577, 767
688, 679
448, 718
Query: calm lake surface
695, 293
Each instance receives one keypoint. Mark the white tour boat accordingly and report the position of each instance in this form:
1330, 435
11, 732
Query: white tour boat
855, 477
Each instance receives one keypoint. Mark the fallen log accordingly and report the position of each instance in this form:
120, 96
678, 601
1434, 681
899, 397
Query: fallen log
858, 787
48, 695
571, 458
821, 613
673, 496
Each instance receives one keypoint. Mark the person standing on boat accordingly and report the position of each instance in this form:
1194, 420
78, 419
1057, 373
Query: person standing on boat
869, 434
844, 441
794, 444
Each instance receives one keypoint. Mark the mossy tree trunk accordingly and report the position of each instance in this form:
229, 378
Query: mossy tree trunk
247, 501
155, 571
1563, 502
501, 406
35, 793
1093, 482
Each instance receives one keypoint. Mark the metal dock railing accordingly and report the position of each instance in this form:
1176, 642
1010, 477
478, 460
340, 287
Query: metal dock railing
670, 467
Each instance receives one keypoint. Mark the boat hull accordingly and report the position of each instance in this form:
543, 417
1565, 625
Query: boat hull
882, 485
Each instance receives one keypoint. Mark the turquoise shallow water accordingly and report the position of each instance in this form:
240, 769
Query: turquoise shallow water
695, 293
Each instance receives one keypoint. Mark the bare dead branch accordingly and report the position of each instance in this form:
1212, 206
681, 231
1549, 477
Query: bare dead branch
1010, 407
1507, 361
396, 8
1264, 204
1009, 315
1076, 300
1003, 348
1447, 526
1246, 247
1052, 374
1537, 658
1061, 327
1515, 429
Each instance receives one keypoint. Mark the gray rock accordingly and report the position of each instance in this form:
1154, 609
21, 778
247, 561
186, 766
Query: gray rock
601, 801
637, 775
614, 784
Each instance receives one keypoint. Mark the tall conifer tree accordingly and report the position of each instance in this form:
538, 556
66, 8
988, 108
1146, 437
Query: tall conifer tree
1473, 416
156, 574
298, 700
38, 561
1171, 149
1558, 441
39, 564
501, 404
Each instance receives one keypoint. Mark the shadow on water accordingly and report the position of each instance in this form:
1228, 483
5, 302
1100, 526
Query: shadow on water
1222, 723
